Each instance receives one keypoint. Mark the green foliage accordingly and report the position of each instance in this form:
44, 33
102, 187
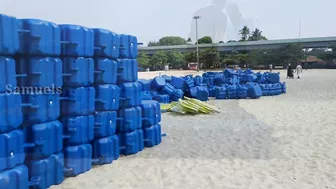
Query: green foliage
245, 33
190, 57
159, 59
205, 40
143, 60
231, 41
169, 40
210, 58
176, 59
257, 35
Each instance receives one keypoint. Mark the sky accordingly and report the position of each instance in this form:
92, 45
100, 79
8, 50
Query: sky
150, 20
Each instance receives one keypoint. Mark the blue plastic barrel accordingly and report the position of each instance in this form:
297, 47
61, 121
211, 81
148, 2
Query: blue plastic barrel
43, 139
105, 150
161, 98
254, 91
241, 91
177, 82
50, 170
131, 143
11, 149
177, 94
40, 72
168, 89
105, 124
130, 119
78, 130
127, 70
106, 43
78, 72
7, 74
221, 92
231, 91
145, 84
128, 46
77, 159
151, 113
152, 135
130, 95
158, 83
39, 37
9, 39
284, 87
14, 178
198, 80
105, 71
40, 108
78, 101
77, 40
107, 97
11, 112
200, 93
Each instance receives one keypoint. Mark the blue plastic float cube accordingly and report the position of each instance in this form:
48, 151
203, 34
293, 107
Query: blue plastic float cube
15, 178
106, 43
9, 39
152, 135
130, 95
78, 101
127, 70
40, 72
7, 74
105, 150
78, 130
39, 37
105, 124
105, 71
131, 143
50, 171
107, 97
11, 112
40, 108
78, 72
77, 40
130, 119
11, 150
77, 159
151, 113
43, 139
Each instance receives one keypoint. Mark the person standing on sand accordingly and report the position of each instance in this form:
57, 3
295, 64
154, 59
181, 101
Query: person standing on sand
298, 71
289, 72
271, 67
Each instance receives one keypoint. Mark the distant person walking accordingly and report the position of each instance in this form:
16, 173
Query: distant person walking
290, 74
271, 67
298, 71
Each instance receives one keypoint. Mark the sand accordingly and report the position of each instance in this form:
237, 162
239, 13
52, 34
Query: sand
285, 142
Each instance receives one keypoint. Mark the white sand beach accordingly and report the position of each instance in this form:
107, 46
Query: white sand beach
281, 142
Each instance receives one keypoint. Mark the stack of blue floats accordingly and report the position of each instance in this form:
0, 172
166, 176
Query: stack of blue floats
78, 97
69, 98
228, 84
129, 124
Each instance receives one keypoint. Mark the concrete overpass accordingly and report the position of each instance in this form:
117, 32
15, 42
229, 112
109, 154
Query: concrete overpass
318, 42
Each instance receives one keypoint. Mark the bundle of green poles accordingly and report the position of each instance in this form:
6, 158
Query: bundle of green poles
189, 105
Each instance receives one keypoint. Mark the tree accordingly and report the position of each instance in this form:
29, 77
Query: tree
175, 59
205, 40
158, 59
221, 42
257, 35
210, 58
143, 60
245, 33
168, 41
231, 41
189, 40
190, 57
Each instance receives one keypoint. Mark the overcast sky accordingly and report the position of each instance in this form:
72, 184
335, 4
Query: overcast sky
151, 19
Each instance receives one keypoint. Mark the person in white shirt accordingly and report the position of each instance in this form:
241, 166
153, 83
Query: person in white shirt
298, 71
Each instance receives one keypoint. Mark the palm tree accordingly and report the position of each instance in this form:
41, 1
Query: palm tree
244, 32
257, 35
